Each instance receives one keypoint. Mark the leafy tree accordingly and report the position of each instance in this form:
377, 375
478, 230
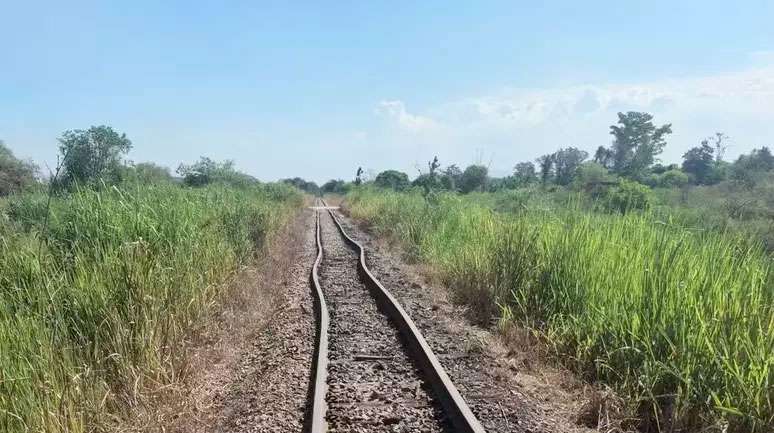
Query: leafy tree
604, 157
748, 169
392, 179
335, 186
636, 143
674, 178
451, 177
566, 163
92, 155
524, 173
699, 162
593, 178
15, 174
147, 173
206, 171
546, 164
473, 178
304, 185
429, 181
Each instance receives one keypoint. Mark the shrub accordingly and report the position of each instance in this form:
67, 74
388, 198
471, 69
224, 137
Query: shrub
628, 196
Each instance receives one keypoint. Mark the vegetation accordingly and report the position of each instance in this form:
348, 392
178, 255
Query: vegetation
679, 320
15, 175
654, 278
100, 282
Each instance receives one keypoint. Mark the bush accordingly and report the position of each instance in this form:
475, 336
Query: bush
628, 196
673, 179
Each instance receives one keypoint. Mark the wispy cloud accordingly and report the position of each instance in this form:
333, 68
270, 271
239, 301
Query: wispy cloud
521, 123
395, 111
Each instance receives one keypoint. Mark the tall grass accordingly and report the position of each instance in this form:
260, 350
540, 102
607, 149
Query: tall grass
680, 321
94, 305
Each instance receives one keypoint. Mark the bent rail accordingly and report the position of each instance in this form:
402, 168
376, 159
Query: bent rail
454, 405
317, 422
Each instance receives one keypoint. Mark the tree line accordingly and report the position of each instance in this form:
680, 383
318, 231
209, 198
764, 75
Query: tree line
97, 156
632, 159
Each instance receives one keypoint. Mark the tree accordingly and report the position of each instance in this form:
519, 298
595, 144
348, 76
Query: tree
147, 173
15, 174
673, 179
358, 176
304, 185
92, 155
473, 178
546, 164
335, 186
699, 161
429, 181
392, 179
636, 143
566, 163
593, 178
524, 173
451, 177
604, 157
206, 171
748, 169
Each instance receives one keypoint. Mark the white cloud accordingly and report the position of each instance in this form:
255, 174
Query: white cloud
519, 124
396, 112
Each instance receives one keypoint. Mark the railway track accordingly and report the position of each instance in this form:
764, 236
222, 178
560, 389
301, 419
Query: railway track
373, 370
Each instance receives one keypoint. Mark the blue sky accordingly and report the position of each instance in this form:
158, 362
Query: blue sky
315, 90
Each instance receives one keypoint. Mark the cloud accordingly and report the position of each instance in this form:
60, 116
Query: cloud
521, 123
396, 112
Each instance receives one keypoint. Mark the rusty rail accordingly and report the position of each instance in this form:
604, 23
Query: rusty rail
454, 405
316, 421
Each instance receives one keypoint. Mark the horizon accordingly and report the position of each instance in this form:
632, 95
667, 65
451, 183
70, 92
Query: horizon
315, 92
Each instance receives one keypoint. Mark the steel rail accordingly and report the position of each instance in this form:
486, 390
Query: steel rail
316, 423
460, 415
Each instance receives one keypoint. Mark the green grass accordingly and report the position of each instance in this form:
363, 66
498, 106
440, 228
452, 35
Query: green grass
93, 308
681, 321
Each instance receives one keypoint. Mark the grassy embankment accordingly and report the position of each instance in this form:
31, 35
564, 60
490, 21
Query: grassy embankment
92, 307
680, 321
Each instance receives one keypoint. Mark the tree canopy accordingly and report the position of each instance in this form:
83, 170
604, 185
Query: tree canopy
474, 178
15, 174
392, 179
636, 143
90, 155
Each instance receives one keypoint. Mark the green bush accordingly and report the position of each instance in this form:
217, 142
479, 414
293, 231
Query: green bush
628, 196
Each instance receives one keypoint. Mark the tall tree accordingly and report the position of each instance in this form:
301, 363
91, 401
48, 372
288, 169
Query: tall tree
451, 177
474, 178
636, 143
93, 154
546, 164
699, 161
604, 157
566, 163
392, 179
15, 174
524, 173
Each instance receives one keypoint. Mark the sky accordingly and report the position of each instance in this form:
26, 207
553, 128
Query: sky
316, 89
